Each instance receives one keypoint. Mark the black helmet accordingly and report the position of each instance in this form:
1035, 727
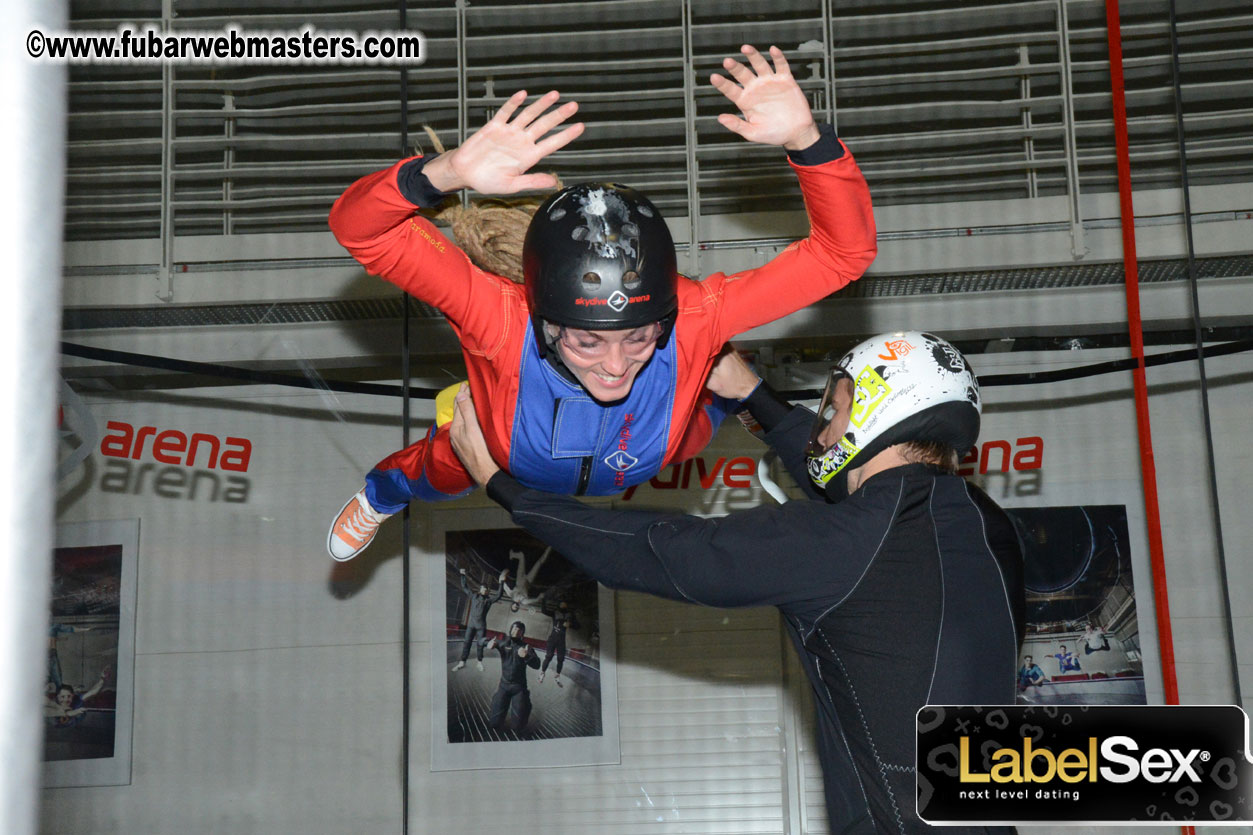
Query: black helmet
520, 626
598, 256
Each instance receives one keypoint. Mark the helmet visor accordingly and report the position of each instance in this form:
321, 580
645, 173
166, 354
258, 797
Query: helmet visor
830, 448
832, 416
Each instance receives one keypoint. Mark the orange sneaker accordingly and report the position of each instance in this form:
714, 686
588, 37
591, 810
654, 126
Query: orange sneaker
354, 528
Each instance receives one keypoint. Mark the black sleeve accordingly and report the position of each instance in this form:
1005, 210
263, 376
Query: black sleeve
787, 432
827, 148
770, 555
532, 658
503, 489
789, 438
766, 406
465, 589
616, 555
417, 189
500, 592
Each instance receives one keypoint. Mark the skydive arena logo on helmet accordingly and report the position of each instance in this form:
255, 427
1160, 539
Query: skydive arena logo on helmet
1084, 764
616, 302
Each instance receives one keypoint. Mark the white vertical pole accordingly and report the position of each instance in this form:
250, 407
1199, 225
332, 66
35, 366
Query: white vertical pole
1077, 247
33, 99
1028, 142
692, 268
165, 278
828, 55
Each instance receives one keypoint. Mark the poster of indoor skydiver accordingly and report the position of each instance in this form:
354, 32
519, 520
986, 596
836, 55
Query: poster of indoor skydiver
525, 674
88, 691
1082, 642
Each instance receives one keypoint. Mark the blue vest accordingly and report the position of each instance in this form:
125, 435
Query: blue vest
558, 426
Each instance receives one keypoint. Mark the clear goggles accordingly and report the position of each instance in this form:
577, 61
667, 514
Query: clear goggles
588, 344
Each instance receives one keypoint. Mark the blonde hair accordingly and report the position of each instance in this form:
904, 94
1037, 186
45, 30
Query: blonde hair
492, 231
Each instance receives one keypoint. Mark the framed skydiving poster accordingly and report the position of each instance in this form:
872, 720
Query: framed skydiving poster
522, 667
1082, 643
89, 691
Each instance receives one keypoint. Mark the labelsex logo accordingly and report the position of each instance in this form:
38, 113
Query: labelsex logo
1073, 765
1145, 764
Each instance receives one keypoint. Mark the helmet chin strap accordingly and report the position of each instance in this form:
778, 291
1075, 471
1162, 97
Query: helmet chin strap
836, 489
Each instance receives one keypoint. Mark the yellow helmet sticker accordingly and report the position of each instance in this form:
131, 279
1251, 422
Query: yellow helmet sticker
869, 390
826, 467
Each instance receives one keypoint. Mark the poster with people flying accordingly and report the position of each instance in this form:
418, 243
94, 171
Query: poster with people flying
1082, 642
525, 671
88, 691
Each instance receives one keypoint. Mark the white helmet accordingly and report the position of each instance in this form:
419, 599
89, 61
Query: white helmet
907, 386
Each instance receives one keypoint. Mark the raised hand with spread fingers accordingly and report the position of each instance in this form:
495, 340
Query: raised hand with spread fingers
773, 108
495, 158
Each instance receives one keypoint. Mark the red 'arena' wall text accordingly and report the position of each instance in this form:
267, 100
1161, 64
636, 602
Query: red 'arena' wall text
1024, 454
170, 446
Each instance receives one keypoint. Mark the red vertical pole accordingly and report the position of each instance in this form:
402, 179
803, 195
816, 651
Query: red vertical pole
1148, 471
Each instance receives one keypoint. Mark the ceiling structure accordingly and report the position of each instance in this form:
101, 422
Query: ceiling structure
943, 103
